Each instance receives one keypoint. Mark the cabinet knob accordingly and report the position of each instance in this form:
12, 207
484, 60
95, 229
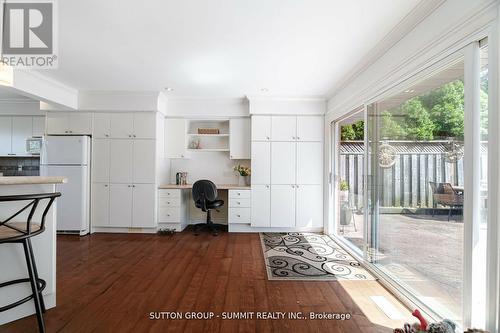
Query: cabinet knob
298, 138
133, 185
297, 186
129, 135
182, 156
168, 202
239, 203
230, 156
267, 137
238, 215
106, 185
267, 186
239, 193
134, 135
168, 214
293, 138
106, 135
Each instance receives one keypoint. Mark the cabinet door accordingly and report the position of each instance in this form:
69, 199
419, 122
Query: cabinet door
122, 125
283, 162
261, 128
102, 125
100, 205
5, 135
310, 128
80, 123
144, 161
144, 125
261, 163
309, 163
283, 128
22, 128
120, 205
283, 206
38, 126
143, 207
57, 123
261, 206
120, 155
175, 138
100, 160
309, 206
239, 138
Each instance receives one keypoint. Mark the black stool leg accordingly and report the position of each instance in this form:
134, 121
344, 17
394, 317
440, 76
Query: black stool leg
34, 287
42, 302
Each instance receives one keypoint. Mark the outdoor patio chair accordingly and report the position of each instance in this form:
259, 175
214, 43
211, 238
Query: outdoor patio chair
445, 195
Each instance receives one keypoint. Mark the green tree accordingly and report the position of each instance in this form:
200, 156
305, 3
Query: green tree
417, 121
359, 129
347, 133
389, 128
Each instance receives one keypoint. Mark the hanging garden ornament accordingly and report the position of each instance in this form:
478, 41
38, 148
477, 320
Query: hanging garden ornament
453, 151
386, 155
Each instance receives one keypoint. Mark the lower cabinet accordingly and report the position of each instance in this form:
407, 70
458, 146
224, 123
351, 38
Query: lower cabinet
283, 206
100, 205
239, 210
261, 206
309, 206
124, 205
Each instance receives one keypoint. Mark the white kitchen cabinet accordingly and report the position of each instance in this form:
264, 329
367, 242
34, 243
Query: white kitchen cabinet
120, 205
100, 205
38, 126
143, 161
5, 135
261, 206
282, 206
309, 206
121, 161
175, 138
309, 163
102, 125
261, 128
283, 162
283, 128
101, 160
239, 138
122, 125
69, 123
144, 125
143, 205
57, 123
310, 128
22, 128
261, 163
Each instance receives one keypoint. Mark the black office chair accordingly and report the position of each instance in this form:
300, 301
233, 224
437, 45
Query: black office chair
205, 198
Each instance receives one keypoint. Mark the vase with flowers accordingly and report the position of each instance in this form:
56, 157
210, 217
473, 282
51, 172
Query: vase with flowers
243, 174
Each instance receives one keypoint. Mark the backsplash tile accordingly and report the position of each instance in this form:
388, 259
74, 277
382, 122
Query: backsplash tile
9, 166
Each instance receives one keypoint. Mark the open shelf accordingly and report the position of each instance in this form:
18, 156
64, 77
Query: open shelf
207, 135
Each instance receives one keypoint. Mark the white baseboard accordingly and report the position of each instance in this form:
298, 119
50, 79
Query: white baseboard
249, 228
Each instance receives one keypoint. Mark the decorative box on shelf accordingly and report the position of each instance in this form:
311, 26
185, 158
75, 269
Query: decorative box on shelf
208, 131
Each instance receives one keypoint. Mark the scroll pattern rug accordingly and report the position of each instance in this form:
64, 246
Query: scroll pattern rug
307, 256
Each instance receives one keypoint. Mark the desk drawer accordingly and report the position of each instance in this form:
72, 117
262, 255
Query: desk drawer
239, 215
246, 203
244, 194
169, 214
169, 202
168, 193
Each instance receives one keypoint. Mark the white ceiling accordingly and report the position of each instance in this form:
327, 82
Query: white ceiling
223, 48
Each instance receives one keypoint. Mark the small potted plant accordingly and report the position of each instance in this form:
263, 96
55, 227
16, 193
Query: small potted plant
244, 174
343, 191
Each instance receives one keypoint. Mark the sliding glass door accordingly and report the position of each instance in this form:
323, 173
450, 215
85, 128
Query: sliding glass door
410, 189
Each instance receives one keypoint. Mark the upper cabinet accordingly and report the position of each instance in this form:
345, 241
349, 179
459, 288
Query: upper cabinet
261, 128
239, 138
288, 128
131, 125
283, 128
175, 138
310, 128
72, 123
14, 130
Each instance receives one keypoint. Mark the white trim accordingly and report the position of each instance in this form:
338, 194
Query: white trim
493, 248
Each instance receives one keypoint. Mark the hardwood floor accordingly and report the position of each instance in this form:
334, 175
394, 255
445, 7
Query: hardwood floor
111, 283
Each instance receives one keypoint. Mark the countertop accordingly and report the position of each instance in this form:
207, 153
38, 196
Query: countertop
219, 187
20, 180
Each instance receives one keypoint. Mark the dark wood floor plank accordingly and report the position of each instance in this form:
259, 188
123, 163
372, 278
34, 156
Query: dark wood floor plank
111, 282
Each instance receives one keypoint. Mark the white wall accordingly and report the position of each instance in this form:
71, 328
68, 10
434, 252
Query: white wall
21, 108
283, 106
207, 108
450, 27
215, 166
118, 101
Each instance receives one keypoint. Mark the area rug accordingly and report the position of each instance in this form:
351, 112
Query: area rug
308, 257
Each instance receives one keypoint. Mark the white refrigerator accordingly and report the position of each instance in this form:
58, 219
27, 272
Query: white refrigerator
69, 156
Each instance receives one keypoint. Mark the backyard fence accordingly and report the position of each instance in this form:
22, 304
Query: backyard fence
406, 183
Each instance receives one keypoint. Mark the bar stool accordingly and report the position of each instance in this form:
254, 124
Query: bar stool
21, 232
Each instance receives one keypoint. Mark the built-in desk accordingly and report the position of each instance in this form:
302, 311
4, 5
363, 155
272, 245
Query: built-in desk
176, 208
